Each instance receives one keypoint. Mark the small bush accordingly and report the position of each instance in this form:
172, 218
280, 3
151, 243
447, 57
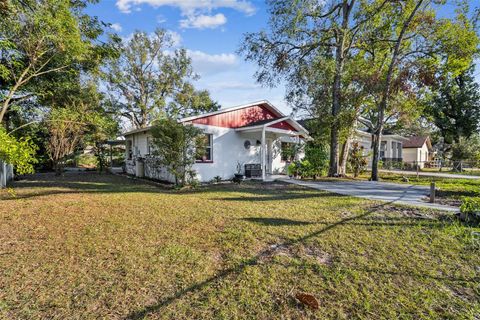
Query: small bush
357, 160
86, 161
470, 208
217, 179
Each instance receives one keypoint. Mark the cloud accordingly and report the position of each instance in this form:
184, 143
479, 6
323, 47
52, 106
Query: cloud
205, 64
189, 7
203, 21
233, 85
176, 38
116, 27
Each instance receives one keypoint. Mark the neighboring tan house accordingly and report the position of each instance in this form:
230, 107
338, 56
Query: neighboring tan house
418, 150
252, 134
391, 146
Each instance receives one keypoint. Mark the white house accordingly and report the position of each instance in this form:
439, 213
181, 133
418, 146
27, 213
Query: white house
251, 134
391, 146
418, 150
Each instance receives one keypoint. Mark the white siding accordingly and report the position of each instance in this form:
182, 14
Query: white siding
228, 150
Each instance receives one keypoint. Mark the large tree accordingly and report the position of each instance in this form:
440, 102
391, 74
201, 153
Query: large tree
455, 107
406, 46
148, 74
38, 39
304, 33
46, 48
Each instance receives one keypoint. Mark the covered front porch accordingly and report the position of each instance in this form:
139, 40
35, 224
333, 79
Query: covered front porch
271, 136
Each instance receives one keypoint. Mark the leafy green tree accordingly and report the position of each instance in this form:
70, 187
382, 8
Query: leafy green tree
311, 40
406, 46
19, 153
38, 38
45, 48
148, 74
177, 147
455, 107
66, 128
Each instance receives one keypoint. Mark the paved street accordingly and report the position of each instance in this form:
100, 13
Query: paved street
383, 191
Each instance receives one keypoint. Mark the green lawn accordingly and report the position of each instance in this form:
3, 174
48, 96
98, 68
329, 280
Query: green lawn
450, 190
88, 246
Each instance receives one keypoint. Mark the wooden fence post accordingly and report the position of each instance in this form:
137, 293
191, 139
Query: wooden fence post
432, 192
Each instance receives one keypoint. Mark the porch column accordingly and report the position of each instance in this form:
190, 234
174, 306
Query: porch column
263, 153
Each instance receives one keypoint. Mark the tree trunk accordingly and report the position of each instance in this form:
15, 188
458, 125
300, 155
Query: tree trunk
377, 138
337, 86
58, 168
344, 157
386, 93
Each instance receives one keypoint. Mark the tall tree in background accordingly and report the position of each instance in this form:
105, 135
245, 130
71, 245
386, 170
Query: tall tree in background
44, 47
455, 107
38, 38
148, 74
304, 32
408, 42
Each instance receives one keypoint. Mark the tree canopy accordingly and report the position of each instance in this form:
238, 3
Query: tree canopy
150, 80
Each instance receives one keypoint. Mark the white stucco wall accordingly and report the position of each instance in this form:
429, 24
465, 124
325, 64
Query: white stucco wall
417, 155
410, 155
228, 149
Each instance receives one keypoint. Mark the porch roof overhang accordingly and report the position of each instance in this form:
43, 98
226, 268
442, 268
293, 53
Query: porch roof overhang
266, 126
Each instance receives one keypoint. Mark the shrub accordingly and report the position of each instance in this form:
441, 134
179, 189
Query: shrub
470, 208
317, 157
19, 153
357, 160
217, 179
177, 146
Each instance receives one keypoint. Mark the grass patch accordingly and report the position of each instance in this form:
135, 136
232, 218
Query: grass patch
449, 189
102, 246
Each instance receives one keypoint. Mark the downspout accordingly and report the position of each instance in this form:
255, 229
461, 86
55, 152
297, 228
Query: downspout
264, 149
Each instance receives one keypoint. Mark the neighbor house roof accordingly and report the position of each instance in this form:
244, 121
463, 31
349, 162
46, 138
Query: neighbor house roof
418, 142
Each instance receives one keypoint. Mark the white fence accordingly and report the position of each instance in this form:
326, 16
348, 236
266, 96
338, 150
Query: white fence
6, 174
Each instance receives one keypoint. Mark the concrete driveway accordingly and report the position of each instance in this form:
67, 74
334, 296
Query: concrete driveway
383, 191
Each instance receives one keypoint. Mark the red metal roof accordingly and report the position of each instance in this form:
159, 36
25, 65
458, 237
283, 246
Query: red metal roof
239, 117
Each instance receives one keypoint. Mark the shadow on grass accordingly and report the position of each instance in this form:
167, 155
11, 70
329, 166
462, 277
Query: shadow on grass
140, 314
270, 196
92, 182
277, 222
359, 219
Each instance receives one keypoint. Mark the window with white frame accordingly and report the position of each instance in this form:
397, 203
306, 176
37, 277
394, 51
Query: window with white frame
383, 148
207, 156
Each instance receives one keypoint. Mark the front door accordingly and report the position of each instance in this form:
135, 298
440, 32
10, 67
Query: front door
268, 157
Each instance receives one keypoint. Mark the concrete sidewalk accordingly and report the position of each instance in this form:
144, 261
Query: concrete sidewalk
383, 191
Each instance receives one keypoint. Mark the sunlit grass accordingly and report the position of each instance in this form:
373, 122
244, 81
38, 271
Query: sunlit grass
91, 246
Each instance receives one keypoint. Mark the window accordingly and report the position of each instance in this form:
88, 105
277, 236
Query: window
129, 150
383, 147
207, 156
287, 151
149, 145
399, 150
394, 149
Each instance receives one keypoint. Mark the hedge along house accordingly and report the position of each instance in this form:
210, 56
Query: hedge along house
250, 134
